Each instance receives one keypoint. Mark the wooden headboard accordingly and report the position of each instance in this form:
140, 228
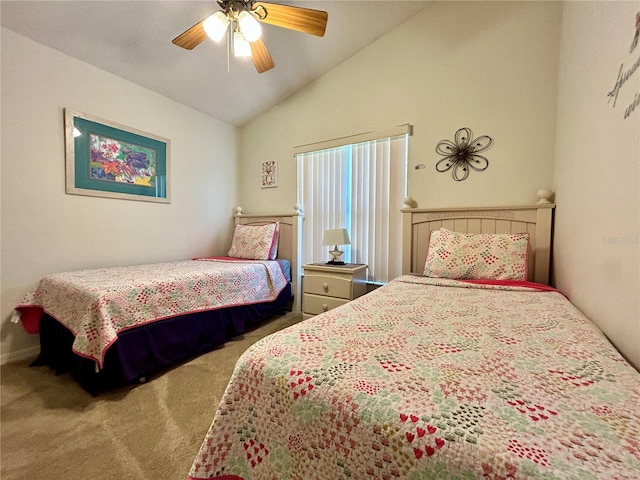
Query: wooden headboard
288, 238
534, 219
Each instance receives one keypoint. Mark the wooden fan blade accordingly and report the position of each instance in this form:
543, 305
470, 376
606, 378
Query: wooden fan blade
295, 18
192, 37
261, 56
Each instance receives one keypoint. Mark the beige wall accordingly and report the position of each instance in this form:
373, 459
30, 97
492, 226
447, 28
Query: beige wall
490, 66
597, 173
45, 231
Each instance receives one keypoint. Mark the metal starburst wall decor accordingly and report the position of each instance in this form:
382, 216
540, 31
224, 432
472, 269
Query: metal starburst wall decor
461, 155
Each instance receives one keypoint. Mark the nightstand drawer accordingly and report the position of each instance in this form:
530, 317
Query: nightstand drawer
316, 304
328, 286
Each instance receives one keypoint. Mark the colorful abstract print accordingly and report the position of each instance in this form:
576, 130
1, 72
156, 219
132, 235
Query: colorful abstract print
122, 162
431, 379
98, 304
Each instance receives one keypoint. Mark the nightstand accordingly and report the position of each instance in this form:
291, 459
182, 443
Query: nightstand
326, 286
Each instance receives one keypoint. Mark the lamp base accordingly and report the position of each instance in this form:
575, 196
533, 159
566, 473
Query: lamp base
335, 256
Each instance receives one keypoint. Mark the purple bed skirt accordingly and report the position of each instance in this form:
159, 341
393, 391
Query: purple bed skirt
142, 352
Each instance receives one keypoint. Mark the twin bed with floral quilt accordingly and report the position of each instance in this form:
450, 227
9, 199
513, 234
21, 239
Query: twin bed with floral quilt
471, 369
116, 325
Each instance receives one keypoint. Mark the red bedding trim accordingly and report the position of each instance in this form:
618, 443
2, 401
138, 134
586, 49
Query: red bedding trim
221, 477
30, 317
514, 283
230, 259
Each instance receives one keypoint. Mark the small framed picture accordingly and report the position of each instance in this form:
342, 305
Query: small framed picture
269, 174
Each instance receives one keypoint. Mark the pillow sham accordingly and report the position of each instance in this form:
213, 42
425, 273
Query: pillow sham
477, 256
254, 242
273, 253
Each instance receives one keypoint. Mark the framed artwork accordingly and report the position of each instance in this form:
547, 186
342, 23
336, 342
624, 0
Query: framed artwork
104, 159
269, 174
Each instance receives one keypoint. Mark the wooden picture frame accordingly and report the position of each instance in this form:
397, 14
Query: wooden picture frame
106, 159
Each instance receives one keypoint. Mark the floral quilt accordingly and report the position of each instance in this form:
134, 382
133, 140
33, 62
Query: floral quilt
98, 304
430, 379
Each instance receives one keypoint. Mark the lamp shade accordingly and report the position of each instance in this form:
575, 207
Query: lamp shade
215, 26
249, 26
241, 48
336, 236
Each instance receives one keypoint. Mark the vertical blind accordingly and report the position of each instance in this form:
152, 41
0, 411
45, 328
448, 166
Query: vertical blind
360, 187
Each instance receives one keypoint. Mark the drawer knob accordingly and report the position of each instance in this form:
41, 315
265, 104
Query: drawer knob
325, 307
325, 287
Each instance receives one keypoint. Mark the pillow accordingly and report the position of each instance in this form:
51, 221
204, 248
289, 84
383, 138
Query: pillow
477, 256
273, 253
254, 242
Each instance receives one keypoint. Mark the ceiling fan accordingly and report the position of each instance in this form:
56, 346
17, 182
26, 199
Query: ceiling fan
240, 18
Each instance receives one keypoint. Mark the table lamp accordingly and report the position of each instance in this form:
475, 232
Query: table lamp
335, 237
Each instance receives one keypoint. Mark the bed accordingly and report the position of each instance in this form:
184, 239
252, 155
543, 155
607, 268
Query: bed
115, 326
429, 377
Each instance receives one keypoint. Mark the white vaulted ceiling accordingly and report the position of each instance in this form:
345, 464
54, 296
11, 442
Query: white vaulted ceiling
132, 39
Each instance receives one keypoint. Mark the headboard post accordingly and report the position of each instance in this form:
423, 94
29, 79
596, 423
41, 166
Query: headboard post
537, 220
407, 236
288, 242
544, 230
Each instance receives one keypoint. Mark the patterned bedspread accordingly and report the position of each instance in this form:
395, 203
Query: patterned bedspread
98, 304
431, 379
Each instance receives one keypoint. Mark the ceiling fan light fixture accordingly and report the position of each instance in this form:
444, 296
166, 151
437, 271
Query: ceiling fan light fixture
241, 20
216, 25
241, 47
249, 26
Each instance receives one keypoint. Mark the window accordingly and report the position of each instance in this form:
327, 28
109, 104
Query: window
357, 183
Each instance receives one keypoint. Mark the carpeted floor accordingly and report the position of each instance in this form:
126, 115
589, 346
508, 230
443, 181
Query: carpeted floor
52, 429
